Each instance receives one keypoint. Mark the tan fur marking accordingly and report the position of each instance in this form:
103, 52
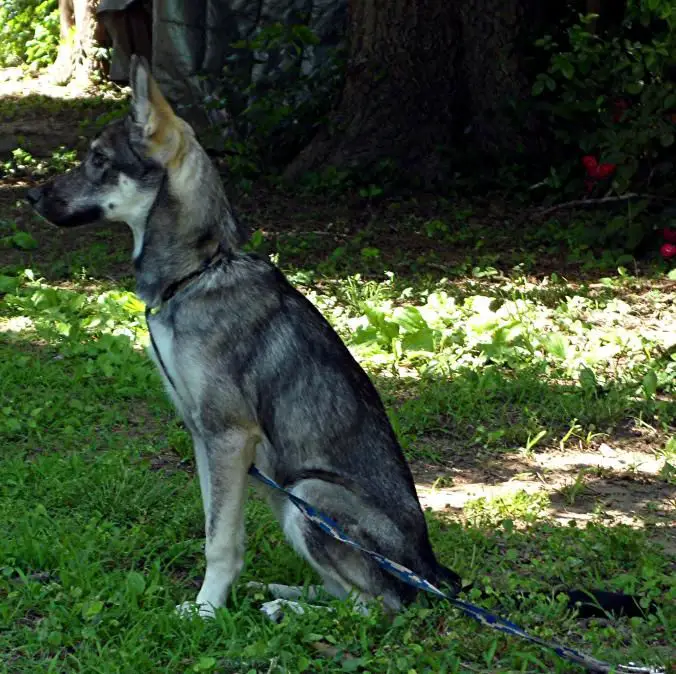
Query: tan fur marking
181, 150
167, 141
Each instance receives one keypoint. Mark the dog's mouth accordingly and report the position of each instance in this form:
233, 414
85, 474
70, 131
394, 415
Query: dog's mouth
57, 211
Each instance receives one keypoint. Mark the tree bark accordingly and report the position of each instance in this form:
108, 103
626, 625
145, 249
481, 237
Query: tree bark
399, 90
424, 78
80, 36
492, 75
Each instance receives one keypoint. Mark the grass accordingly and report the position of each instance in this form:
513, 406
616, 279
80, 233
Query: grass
481, 363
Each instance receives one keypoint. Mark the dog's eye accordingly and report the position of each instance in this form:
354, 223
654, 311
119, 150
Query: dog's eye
99, 159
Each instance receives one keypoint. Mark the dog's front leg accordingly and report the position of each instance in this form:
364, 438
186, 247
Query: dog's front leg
226, 459
202, 461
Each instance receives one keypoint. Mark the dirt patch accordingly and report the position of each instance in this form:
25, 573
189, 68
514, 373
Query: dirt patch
35, 119
618, 484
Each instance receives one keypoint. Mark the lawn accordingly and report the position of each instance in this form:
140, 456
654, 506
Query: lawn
532, 386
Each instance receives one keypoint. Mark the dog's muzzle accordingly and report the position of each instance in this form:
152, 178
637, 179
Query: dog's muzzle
47, 202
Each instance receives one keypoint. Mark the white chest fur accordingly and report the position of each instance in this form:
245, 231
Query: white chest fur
182, 377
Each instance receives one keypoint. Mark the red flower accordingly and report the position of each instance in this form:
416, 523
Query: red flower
596, 170
668, 251
605, 170
590, 163
669, 234
619, 107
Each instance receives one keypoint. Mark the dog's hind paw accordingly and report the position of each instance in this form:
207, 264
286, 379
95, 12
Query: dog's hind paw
290, 592
276, 608
189, 609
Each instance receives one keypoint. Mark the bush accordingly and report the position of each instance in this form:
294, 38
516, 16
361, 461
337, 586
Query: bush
275, 102
610, 101
29, 32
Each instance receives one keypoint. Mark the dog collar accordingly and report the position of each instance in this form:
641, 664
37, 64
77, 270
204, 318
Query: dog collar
184, 282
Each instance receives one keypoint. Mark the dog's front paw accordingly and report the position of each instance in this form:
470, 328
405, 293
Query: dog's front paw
190, 609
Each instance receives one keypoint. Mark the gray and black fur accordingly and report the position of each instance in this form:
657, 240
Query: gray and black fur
256, 372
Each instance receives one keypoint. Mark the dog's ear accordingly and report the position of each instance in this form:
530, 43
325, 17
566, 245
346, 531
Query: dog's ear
150, 109
160, 128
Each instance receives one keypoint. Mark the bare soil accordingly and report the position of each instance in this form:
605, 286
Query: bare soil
616, 484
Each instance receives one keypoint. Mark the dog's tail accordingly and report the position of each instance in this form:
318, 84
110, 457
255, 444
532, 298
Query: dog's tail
587, 603
447, 580
600, 603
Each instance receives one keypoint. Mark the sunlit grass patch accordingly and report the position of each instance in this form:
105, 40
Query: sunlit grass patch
488, 371
521, 505
103, 523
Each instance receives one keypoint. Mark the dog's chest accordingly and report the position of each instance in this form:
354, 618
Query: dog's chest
181, 373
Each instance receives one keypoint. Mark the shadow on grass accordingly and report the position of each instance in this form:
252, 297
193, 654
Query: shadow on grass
330, 240
41, 124
471, 424
502, 408
320, 231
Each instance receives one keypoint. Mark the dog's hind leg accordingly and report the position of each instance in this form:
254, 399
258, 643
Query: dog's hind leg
345, 571
227, 458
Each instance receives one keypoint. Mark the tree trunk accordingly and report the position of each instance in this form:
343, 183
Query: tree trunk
400, 87
425, 76
80, 36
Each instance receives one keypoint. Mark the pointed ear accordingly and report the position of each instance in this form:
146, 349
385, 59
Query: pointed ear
150, 110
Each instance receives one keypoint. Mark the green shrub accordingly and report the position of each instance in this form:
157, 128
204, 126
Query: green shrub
29, 32
610, 98
273, 117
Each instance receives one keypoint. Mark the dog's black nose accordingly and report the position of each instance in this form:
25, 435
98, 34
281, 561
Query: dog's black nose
34, 195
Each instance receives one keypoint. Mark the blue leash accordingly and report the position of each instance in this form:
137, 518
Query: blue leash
330, 527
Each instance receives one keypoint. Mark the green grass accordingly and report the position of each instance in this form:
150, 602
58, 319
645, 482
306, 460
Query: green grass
103, 524
483, 352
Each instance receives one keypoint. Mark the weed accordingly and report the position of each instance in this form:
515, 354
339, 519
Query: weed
18, 238
29, 32
575, 489
23, 163
520, 506
668, 470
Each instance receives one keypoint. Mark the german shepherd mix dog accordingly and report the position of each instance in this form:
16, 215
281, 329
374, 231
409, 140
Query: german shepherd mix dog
258, 375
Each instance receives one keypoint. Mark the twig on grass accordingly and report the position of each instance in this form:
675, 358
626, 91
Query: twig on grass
599, 202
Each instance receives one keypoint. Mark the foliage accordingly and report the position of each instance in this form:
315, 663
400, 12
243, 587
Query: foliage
29, 32
17, 238
520, 506
90, 545
610, 101
443, 334
23, 163
274, 100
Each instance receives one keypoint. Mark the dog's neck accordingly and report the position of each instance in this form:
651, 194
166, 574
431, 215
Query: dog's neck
177, 245
217, 258
159, 277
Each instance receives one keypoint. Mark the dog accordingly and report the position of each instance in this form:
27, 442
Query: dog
255, 371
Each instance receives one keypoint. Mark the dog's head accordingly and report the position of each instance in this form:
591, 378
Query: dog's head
123, 171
